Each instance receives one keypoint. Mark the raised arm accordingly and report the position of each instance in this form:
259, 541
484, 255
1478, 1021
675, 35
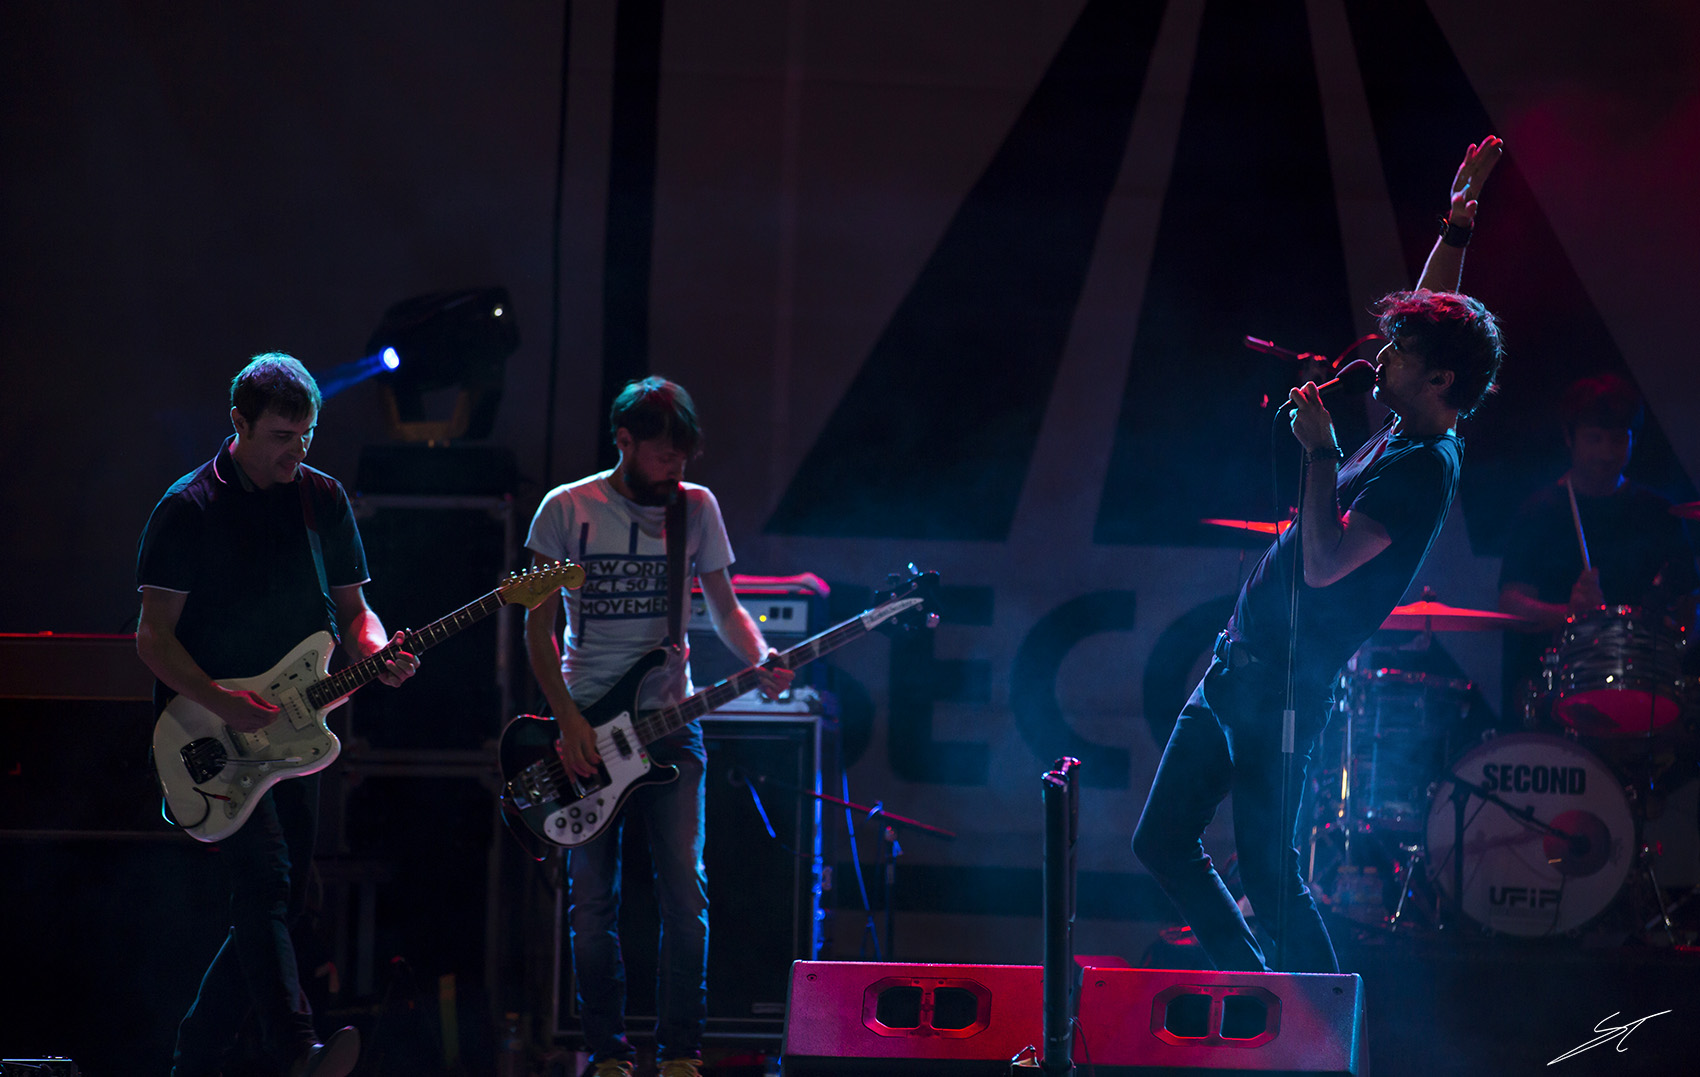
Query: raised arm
1444, 270
1334, 543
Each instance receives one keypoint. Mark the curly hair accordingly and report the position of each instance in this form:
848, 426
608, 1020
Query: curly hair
1451, 332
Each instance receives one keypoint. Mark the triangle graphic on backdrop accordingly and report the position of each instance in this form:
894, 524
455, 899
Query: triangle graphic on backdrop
1425, 113
934, 436
1248, 243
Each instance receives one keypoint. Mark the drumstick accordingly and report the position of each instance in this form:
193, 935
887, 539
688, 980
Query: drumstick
1576, 517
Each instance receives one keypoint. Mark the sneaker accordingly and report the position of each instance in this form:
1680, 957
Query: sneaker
333, 1058
681, 1067
615, 1068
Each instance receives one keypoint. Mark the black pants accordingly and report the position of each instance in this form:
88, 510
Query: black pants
1228, 740
267, 862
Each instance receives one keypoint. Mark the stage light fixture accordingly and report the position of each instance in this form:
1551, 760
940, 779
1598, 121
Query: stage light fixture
432, 344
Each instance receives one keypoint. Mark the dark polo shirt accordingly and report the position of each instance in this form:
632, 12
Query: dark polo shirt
242, 556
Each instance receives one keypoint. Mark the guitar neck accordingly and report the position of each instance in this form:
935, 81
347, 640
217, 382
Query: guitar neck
348, 680
652, 727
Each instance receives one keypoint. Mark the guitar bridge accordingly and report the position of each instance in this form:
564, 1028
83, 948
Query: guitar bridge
204, 759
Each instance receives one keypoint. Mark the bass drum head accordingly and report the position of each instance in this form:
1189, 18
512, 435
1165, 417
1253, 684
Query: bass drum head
1519, 880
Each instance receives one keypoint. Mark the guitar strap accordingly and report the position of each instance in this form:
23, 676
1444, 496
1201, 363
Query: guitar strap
311, 521
674, 526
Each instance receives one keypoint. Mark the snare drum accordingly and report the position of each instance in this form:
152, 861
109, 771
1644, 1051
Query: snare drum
1519, 879
1617, 672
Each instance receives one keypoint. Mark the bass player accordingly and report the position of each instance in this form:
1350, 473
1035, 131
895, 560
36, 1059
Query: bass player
615, 524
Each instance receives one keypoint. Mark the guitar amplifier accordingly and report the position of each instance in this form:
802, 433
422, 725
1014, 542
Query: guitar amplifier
788, 609
79, 725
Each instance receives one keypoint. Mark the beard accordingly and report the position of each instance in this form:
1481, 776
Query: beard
646, 491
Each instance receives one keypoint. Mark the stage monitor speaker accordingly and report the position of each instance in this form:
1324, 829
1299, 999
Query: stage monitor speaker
863, 1018
1150, 1021
38, 1067
763, 889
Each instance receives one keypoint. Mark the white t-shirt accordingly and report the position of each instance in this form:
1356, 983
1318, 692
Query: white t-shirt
620, 614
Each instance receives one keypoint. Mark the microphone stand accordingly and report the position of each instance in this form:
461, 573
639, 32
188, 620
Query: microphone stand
890, 822
1289, 712
1462, 791
1289, 725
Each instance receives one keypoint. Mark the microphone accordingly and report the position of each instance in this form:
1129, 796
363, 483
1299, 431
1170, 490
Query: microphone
1357, 376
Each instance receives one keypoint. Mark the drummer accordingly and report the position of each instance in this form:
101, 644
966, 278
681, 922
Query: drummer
1640, 554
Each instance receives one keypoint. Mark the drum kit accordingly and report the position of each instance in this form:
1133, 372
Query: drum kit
1423, 818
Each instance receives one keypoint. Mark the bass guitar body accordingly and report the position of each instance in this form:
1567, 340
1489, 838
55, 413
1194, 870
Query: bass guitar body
569, 811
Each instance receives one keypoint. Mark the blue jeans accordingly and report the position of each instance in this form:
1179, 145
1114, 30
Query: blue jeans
267, 863
672, 816
1228, 740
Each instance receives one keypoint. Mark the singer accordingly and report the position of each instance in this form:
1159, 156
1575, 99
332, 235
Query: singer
1365, 526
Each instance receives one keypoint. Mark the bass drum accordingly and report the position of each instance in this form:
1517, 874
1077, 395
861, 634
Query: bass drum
1517, 878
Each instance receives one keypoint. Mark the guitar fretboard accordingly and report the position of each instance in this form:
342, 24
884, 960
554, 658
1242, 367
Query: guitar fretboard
652, 727
345, 681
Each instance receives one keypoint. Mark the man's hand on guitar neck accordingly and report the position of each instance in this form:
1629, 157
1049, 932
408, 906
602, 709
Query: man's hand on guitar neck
399, 664
775, 678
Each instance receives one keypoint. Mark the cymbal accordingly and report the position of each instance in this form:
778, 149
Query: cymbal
1428, 616
1690, 511
1261, 526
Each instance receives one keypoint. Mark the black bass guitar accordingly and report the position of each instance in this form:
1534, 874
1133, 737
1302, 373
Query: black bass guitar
544, 800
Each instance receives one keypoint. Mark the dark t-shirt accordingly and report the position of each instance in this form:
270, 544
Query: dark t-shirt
1632, 539
1404, 484
242, 556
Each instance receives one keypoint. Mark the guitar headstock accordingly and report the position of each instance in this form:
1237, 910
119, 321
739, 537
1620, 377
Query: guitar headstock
908, 602
531, 587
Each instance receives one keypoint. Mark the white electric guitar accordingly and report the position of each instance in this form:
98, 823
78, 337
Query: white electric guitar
212, 775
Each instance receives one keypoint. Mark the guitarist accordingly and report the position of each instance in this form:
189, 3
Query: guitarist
231, 581
612, 523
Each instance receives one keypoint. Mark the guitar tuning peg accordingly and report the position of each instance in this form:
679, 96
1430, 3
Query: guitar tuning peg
932, 620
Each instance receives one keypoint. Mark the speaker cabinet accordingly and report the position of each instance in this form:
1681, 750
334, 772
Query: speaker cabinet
855, 1017
763, 889
429, 556
1149, 1021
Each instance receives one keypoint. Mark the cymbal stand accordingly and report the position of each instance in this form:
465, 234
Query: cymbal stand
1413, 860
1663, 919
